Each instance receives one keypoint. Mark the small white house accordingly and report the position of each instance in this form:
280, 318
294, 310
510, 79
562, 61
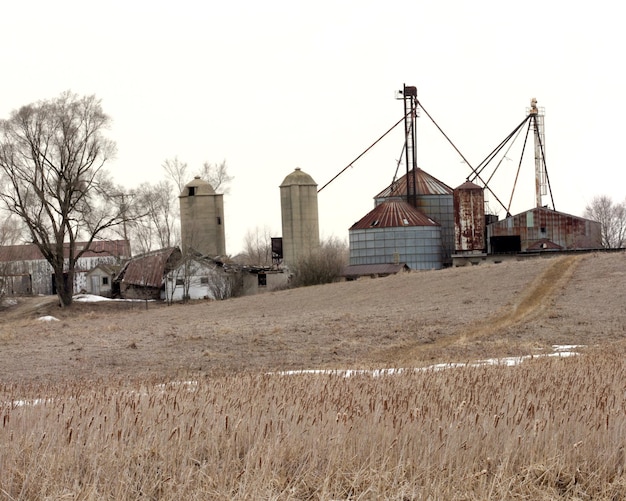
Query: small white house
198, 278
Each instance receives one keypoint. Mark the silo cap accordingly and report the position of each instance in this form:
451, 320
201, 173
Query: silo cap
201, 187
299, 178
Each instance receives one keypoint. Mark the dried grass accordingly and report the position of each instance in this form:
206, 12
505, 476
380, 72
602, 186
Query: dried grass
550, 428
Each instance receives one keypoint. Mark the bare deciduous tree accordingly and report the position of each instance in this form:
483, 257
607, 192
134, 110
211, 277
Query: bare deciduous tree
217, 176
158, 211
176, 170
52, 155
612, 219
258, 247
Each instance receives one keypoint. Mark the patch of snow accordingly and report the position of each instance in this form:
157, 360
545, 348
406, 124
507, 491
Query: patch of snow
90, 298
567, 347
48, 318
560, 351
93, 298
9, 302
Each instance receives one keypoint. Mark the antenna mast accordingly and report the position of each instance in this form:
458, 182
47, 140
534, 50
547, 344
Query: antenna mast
409, 95
541, 178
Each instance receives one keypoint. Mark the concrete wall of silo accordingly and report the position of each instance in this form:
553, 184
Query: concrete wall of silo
299, 214
202, 219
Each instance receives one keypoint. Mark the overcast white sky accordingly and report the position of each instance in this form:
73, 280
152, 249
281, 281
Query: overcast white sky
270, 86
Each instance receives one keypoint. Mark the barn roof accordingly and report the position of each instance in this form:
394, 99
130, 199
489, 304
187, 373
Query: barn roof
393, 214
148, 270
360, 270
425, 184
30, 252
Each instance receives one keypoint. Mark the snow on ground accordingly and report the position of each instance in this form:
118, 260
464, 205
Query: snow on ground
92, 298
561, 351
48, 318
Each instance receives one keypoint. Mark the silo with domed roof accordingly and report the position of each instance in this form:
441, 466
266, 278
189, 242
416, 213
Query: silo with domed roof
300, 223
202, 219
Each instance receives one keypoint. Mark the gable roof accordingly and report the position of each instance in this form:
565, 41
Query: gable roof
30, 252
148, 270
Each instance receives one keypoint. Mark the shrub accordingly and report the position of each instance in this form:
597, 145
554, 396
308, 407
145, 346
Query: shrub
322, 266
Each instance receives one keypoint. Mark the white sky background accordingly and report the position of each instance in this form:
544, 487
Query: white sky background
270, 86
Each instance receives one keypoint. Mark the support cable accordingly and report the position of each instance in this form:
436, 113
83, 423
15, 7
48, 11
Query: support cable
519, 166
364, 152
464, 159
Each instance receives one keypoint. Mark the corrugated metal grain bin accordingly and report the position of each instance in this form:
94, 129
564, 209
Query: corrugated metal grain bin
396, 232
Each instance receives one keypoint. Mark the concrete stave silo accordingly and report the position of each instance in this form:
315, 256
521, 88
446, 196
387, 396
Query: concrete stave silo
202, 219
299, 214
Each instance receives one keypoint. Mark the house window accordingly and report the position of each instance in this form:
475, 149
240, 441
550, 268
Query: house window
179, 281
219, 220
105, 280
204, 280
262, 279
192, 191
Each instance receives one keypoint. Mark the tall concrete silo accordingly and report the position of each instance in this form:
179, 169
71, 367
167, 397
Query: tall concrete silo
202, 219
298, 203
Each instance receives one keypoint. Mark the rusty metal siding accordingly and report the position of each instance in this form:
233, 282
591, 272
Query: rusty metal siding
469, 218
541, 225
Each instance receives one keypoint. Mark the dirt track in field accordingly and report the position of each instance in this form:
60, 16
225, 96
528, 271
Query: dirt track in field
458, 314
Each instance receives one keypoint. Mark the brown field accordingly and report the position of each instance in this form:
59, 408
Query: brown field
141, 401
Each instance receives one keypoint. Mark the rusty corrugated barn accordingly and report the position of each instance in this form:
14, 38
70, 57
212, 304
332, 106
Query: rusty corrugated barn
542, 229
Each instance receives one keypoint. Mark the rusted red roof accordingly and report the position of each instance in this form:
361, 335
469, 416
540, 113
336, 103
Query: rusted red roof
359, 270
393, 214
30, 252
425, 184
149, 269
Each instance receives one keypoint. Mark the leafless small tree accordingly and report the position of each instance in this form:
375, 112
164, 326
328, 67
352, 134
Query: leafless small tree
258, 247
217, 176
177, 171
323, 265
612, 219
158, 224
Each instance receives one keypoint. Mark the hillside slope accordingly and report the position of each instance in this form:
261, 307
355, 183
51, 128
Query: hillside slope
457, 314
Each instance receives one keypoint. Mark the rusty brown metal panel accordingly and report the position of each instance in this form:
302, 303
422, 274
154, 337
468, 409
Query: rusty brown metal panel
149, 269
469, 218
392, 214
542, 225
425, 185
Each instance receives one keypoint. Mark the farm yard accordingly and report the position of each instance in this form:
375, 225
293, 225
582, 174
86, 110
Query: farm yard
148, 401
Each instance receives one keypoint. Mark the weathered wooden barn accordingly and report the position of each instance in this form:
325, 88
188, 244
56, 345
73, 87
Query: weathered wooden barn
143, 277
24, 271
